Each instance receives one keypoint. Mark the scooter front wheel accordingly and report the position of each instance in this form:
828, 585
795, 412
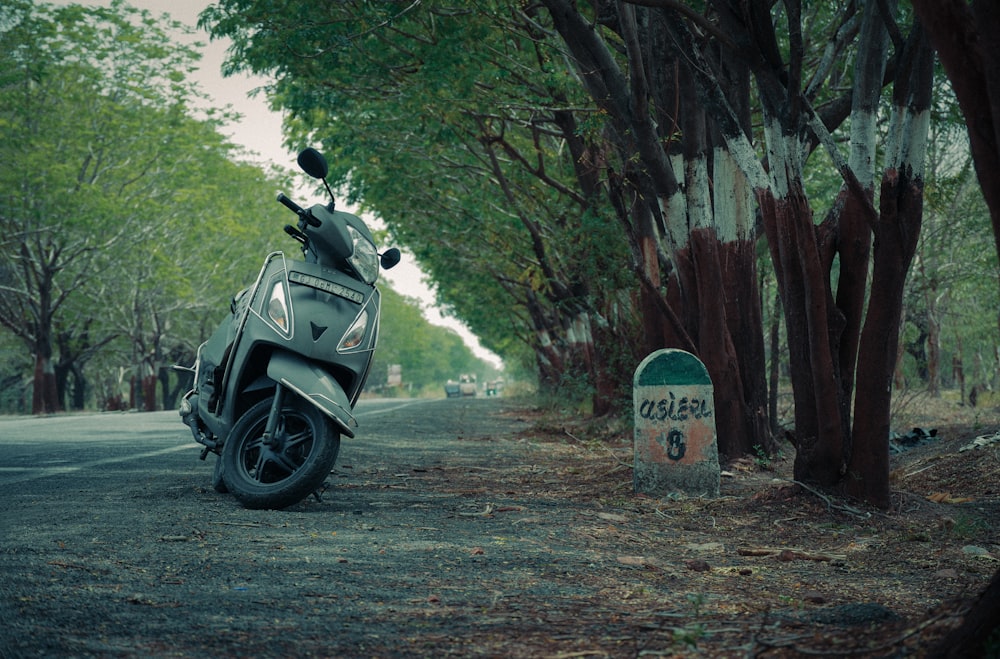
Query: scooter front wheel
218, 482
276, 472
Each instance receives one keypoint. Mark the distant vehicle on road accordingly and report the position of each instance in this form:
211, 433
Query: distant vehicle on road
467, 384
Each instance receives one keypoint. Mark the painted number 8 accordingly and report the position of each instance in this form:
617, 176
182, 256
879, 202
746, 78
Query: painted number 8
675, 444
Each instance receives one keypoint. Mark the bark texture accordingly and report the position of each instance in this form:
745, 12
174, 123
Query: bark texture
966, 36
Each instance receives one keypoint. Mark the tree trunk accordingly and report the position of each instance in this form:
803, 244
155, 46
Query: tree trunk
775, 365
898, 379
820, 434
168, 395
966, 36
933, 347
78, 393
734, 213
896, 237
149, 393
895, 243
45, 394
980, 626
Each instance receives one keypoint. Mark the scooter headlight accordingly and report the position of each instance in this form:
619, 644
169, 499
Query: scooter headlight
277, 307
365, 257
356, 334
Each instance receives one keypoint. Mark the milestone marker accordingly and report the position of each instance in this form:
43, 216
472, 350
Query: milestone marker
675, 444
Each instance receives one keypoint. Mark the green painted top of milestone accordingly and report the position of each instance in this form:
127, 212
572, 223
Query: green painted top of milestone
671, 367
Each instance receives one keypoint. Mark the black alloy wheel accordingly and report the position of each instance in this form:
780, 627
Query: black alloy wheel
279, 471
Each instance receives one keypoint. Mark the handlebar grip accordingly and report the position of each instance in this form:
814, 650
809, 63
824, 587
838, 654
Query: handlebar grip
296, 234
289, 204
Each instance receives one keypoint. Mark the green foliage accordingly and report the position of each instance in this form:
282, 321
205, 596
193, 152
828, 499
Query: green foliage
440, 118
429, 354
443, 118
128, 219
952, 295
125, 215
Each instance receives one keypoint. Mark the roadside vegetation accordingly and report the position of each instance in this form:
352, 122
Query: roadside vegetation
787, 190
548, 221
128, 221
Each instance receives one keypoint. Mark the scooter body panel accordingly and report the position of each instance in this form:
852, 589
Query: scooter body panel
314, 385
321, 305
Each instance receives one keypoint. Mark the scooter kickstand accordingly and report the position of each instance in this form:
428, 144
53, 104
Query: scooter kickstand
318, 494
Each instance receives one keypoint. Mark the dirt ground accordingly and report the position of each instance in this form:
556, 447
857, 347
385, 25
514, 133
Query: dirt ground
484, 528
774, 568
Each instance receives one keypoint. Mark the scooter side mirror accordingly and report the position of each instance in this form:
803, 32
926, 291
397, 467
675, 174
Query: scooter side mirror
390, 258
313, 163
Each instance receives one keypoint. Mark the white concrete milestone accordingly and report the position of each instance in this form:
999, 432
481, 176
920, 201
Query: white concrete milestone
676, 450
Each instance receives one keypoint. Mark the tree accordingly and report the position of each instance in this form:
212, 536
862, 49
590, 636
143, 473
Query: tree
432, 107
128, 216
950, 302
683, 203
833, 342
428, 354
81, 138
492, 161
963, 34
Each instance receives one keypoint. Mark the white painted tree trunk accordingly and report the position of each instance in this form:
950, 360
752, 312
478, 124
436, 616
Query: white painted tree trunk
732, 199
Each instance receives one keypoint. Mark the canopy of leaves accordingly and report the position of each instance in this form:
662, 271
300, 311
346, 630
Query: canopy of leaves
454, 122
443, 120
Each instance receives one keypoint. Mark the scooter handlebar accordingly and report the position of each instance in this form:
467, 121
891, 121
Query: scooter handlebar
289, 204
304, 214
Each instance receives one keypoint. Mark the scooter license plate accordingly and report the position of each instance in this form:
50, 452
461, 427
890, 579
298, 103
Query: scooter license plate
326, 286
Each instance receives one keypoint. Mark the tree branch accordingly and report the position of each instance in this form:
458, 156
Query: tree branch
690, 13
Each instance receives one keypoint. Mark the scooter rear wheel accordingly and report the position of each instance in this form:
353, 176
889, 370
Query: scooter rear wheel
282, 470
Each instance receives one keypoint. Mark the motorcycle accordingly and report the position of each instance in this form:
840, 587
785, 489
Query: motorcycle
276, 384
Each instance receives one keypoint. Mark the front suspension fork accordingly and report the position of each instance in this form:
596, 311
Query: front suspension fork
274, 418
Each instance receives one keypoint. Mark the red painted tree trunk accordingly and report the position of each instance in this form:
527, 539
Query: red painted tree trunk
966, 36
895, 243
970, 639
716, 348
820, 434
45, 396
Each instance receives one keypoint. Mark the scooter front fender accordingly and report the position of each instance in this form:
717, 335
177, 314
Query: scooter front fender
314, 385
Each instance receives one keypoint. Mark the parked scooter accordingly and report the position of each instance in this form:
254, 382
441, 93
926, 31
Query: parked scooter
276, 384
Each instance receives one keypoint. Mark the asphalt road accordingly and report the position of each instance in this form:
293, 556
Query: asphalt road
113, 543
44, 454
450, 528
